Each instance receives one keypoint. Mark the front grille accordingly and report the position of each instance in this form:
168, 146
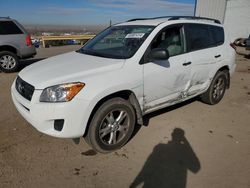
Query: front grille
24, 89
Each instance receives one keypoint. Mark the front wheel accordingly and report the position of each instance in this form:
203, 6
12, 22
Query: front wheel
8, 62
111, 126
216, 90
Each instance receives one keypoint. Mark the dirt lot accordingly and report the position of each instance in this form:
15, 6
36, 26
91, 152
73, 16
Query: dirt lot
215, 151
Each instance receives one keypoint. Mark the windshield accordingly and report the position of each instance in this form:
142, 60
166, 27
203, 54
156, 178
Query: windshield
118, 42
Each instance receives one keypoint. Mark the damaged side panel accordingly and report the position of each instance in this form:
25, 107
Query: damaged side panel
165, 83
182, 96
180, 86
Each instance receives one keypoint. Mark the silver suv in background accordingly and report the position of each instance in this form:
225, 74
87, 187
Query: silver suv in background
15, 44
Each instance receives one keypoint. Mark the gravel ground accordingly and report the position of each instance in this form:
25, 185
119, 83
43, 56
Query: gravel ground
214, 152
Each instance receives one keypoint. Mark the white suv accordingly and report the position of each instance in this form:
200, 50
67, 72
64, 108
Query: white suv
130, 69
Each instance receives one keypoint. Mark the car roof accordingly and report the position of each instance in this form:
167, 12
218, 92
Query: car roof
158, 20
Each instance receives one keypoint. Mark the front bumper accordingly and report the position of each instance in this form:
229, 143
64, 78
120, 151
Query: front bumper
43, 115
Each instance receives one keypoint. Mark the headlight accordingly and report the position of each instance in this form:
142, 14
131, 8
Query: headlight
61, 93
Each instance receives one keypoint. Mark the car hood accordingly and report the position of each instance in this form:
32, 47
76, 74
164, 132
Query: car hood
65, 68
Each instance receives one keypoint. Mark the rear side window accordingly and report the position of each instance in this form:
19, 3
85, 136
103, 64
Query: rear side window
201, 36
9, 28
217, 35
198, 36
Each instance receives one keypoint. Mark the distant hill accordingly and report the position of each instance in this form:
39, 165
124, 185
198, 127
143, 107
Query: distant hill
37, 30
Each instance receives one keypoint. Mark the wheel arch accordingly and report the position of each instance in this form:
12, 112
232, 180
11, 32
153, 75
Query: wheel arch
9, 48
225, 69
124, 94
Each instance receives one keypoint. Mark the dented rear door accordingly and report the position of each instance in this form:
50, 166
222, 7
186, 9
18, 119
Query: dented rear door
204, 56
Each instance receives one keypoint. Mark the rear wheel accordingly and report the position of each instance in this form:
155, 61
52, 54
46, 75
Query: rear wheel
8, 62
216, 90
111, 126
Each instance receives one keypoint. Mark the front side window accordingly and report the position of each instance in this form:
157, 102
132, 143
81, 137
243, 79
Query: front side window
119, 42
170, 39
9, 28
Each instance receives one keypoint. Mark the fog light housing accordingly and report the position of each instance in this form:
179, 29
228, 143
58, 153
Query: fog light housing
58, 124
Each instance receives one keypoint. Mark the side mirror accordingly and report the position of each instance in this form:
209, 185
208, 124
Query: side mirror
159, 54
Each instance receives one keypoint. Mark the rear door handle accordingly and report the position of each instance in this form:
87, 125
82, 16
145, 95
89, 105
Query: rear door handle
186, 64
217, 56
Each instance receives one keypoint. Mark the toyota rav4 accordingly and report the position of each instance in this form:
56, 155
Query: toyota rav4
103, 90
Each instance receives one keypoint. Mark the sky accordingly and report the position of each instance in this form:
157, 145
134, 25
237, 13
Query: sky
91, 12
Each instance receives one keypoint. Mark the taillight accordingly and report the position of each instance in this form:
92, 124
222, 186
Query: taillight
233, 46
28, 40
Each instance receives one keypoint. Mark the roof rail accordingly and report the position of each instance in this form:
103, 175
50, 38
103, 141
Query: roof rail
135, 19
194, 18
177, 18
6, 17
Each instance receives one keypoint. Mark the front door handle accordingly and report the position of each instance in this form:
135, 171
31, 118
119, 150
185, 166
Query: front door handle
186, 64
217, 56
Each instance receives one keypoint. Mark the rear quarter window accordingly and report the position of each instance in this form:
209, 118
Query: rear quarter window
9, 28
218, 35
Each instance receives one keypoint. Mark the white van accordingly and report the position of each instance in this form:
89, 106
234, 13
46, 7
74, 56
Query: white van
130, 69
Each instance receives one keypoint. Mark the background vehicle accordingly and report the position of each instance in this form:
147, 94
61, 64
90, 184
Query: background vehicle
248, 43
240, 42
130, 69
35, 42
15, 44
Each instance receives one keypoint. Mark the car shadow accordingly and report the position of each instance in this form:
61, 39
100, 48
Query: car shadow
167, 166
26, 62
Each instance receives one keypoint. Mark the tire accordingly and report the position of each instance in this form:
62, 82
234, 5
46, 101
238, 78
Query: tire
111, 126
216, 90
8, 62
